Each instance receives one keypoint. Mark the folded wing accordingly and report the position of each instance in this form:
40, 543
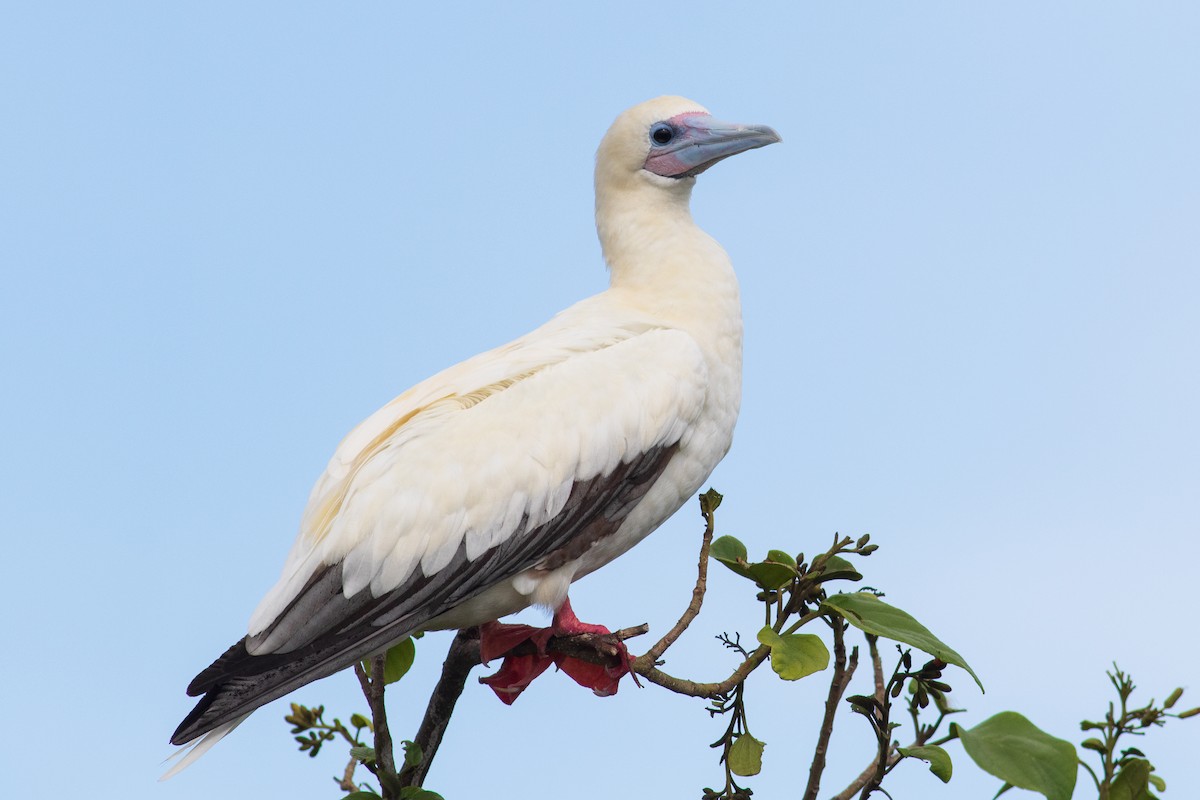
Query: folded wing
522, 457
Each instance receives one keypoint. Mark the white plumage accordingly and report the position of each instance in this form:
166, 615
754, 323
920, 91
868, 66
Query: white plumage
494, 484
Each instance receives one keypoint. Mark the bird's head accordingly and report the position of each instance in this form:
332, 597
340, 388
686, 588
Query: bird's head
666, 142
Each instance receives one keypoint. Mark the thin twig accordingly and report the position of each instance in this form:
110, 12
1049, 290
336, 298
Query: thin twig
857, 784
885, 757
924, 734
347, 784
694, 689
842, 673
877, 668
873, 768
652, 655
646, 664
893, 759
373, 690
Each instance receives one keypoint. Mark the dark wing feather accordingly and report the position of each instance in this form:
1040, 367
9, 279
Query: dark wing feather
337, 631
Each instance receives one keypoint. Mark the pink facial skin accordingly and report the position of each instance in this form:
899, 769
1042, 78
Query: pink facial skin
697, 141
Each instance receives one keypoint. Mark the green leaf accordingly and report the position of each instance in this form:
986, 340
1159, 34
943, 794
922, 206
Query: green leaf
770, 575
412, 753
730, 552
359, 721
1158, 782
361, 796
417, 793
937, 758
1132, 782
795, 655
870, 614
363, 754
775, 572
1016, 751
839, 569
745, 756
780, 557
399, 661
710, 501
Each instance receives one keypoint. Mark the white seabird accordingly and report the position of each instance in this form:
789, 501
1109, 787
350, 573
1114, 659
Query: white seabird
494, 484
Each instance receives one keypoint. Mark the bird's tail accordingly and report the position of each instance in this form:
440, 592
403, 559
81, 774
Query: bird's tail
187, 755
237, 682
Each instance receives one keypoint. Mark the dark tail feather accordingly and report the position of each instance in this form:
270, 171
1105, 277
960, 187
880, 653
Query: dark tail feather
237, 682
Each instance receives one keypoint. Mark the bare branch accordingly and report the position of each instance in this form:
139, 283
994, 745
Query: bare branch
842, 673
462, 657
877, 669
373, 690
682, 686
858, 783
693, 609
347, 784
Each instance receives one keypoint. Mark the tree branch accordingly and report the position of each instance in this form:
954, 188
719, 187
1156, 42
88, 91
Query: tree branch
694, 689
858, 783
842, 673
885, 759
373, 690
462, 657
652, 655
347, 784
877, 668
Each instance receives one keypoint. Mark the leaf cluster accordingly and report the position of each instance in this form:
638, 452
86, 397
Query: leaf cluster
795, 594
312, 731
1126, 773
311, 721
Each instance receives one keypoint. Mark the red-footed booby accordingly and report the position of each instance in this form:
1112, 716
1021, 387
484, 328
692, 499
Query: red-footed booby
493, 485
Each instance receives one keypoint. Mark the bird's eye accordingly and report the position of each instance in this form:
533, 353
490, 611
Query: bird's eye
662, 133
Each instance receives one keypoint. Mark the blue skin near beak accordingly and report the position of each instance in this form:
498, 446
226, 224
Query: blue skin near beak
698, 141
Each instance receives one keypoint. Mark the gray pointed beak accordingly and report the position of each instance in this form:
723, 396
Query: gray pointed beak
699, 141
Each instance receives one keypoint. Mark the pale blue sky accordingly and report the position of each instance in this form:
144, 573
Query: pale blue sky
971, 277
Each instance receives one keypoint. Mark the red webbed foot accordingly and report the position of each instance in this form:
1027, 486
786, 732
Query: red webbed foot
498, 639
601, 679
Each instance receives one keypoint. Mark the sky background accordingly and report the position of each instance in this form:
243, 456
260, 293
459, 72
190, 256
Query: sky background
971, 285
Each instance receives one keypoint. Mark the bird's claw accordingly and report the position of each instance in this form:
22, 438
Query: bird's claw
519, 669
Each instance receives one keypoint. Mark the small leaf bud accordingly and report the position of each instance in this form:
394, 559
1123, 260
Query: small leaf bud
1172, 698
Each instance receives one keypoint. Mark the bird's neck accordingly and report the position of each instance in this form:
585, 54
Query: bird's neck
651, 243
663, 264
